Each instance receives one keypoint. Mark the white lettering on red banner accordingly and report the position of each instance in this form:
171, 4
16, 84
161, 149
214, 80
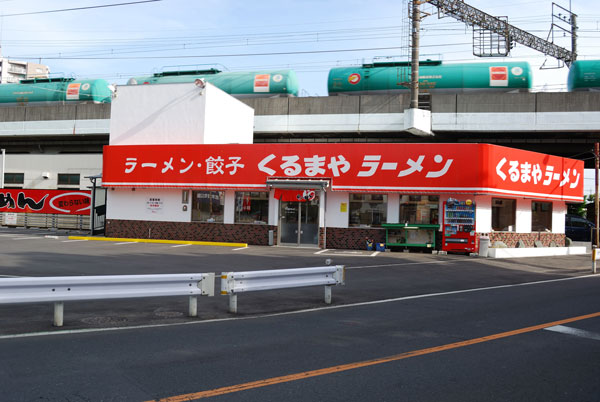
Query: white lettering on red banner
439, 168
526, 172
291, 166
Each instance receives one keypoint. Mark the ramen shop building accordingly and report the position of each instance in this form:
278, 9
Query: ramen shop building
171, 175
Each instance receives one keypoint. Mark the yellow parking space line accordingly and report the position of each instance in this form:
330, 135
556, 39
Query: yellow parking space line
197, 243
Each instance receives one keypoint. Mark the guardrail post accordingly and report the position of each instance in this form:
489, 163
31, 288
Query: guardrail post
59, 308
233, 303
328, 294
193, 306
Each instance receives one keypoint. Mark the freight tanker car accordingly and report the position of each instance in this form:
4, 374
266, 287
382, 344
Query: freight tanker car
434, 77
42, 90
584, 75
280, 83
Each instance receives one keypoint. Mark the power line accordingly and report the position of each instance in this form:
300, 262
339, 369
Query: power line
81, 8
241, 54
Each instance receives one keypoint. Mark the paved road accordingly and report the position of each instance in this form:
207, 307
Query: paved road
370, 276
426, 338
293, 357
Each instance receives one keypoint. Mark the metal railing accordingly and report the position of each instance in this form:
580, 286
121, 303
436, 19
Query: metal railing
233, 283
52, 221
69, 288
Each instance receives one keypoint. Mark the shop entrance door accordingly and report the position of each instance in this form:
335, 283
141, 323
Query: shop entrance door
299, 223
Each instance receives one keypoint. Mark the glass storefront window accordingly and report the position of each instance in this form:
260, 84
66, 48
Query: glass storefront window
419, 209
541, 216
504, 212
207, 206
368, 209
252, 207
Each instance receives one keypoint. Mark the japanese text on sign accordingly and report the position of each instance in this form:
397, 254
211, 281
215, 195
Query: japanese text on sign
526, 172
292, 165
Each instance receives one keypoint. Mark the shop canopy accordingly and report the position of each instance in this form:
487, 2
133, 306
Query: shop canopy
377, 168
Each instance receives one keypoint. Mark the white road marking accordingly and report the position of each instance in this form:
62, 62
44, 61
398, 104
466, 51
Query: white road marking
51, 237
407, 263
322, 251
307, 311
574, 331
240, 248
375, 253
125, 242
72, 241
181, 245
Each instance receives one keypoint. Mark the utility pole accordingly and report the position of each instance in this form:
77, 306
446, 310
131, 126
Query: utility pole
3, 168
596, 208
573, 35
414, 65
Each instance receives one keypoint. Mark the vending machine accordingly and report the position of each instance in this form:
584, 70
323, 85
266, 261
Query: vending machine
459, 226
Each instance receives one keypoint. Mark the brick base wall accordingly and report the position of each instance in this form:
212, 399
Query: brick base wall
340, 238
351, 238
195, 231
511, 239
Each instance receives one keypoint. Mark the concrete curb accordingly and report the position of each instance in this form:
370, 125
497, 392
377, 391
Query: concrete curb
197, 243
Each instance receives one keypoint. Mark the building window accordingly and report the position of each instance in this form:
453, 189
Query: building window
207, 206
68, 179
14, 180
504, 212
251, 207
368, 209
419, 209
541, 216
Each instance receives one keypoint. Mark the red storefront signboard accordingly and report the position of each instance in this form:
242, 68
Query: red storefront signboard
64, 202
407, 168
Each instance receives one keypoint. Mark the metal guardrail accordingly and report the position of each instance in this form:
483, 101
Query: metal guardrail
233, 283
69, 288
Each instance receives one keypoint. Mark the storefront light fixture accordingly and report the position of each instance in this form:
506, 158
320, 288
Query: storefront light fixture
297, 184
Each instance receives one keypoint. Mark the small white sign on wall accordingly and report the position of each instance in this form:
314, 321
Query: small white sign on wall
10, 218
154, 205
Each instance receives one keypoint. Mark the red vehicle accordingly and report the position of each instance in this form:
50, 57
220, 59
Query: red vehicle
459, 226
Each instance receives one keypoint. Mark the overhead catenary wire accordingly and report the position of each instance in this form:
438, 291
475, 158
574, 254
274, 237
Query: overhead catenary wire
80, 8
181, 44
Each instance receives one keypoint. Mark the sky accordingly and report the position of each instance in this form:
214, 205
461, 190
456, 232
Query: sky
148, 36
310, 37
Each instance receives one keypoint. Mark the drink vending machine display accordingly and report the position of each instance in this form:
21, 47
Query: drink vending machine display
459, 226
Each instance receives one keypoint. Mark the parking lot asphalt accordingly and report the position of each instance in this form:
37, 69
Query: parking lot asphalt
370, 277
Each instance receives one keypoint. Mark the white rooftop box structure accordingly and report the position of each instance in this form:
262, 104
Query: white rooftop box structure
187, 113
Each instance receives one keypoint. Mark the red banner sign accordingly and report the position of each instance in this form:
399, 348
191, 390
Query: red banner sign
417, 168
65, 202
295, 195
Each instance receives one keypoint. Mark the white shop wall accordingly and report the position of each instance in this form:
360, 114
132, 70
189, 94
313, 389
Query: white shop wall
483, 215
229, 207
41, 171
135, 205
336, 217
559, 210
147, 205
523, 215
273, 209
